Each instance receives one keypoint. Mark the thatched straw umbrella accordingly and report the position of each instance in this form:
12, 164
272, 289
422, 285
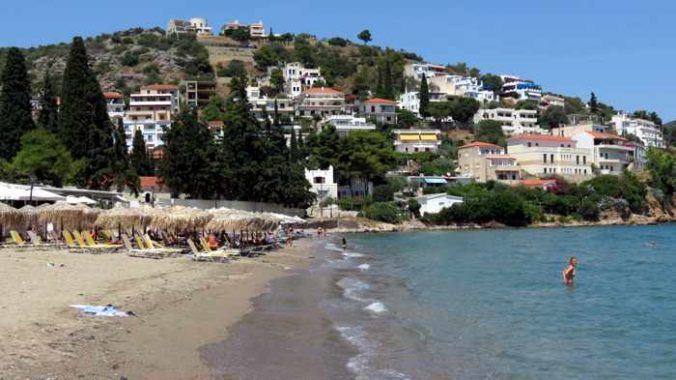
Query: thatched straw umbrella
123, 218
63, 215
9, 216
29, 215
180, 219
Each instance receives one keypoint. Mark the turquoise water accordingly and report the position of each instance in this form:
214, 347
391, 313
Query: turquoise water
491, 304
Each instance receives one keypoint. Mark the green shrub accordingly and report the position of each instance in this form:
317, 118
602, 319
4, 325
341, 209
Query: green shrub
130, 59
383, 212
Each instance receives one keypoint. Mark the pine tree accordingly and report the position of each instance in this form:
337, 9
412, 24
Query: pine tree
124, 176
84, 124
293, 147
48, 118
140, 159
593, 104
424, 97
15, 103
388, 81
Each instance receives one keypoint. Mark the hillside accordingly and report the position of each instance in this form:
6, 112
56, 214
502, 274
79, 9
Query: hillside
125, 60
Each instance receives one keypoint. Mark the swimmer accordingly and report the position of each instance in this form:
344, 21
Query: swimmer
569, 272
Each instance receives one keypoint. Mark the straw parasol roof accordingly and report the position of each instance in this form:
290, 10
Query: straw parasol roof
9, 216
66, 215
135, 218
233, 220
29, 214
179, 218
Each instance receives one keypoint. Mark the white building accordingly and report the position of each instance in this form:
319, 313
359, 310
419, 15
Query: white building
297, 78
382, 110
544, 156
410, 101
320, 101
551, 101
461, 85
195, 25
256, 29
649, 132
322, 183
417, 70
520, 89
114, 104
345, 124
514, 122
434, 203
151, 111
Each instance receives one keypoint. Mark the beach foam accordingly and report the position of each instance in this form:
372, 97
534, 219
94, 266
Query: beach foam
352, 287
360, 364
353, 254
364, 267
376, 308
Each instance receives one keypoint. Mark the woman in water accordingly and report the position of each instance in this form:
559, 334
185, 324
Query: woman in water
569, 272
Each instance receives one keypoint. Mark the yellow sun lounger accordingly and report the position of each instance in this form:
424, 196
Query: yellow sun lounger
16, 237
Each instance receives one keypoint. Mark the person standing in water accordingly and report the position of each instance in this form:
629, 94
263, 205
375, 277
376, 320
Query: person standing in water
344, 243
569, 272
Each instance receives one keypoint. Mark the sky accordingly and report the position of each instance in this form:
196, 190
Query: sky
624, 51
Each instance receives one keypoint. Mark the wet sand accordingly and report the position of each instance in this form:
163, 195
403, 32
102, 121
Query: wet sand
287, 336
181, 306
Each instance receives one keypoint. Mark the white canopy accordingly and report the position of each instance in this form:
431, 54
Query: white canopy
72, 199
12, 192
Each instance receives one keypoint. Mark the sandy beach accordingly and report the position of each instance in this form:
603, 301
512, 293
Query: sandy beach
180, 305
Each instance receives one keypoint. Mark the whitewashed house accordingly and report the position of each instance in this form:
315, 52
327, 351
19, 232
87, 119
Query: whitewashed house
322, 183
434, 203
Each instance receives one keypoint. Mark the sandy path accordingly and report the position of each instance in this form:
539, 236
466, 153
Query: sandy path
181, 304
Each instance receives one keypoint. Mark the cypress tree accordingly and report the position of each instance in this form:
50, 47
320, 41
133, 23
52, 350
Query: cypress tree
424, 97
15, 103
293, 147
124, 174
593, 104
84, 124
140, 158
388, 85
48, 118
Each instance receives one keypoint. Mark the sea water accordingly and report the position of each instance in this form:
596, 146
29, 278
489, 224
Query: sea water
485, 304
491, 304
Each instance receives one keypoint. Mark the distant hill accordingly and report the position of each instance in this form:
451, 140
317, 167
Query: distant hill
126, 60
670, 133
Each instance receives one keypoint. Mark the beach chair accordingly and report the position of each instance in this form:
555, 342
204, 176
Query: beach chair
205, 245
139, 242
211, 256
147, 253
79, 240
68, 238
91, 243
150, 243
16, 237
193, 248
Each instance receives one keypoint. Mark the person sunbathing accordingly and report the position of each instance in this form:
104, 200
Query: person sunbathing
213, 241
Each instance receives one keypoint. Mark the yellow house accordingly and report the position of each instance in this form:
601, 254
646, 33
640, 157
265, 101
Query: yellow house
544, 155
483, 162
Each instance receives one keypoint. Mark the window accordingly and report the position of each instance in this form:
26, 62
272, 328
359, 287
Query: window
584, 162
529, 145
551, 158
544, 158
577, 160
319, 180
373, 109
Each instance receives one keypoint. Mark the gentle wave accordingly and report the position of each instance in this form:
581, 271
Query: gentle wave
352, 287
360, 364
364, 267
353, 254
376, 308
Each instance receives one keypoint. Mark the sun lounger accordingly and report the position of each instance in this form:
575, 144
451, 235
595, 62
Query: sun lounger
91, 243
17, 239
68, 238
210, 256
143, 252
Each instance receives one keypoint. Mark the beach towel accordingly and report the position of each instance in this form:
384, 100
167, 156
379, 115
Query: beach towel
101, 311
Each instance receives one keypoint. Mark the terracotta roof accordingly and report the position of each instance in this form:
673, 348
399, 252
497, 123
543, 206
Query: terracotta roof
113, 95
160, 87
322, 90
606, 136
215, 124
542, 138
381, 101
480, 144
149, 183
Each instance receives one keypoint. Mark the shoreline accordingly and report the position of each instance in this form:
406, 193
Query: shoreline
180, 306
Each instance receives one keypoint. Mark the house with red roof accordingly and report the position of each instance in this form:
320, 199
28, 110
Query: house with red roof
321, 102
484, 162
547, 155
382, 110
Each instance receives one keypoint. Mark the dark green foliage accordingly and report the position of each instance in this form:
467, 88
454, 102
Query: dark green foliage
669, 130
46, 159
593, 104
214, 110
424, 97
48, 118
526, 105
553, 117
406, 118
574, 105
645, 115
15, 106
365, 36
337, 41
84, 123
189, 165
383, 193
383, 212
662, 167
303, 52
626, 187
492, 82
414, 207
240, 35
277, 81
234, 68
130, 58
140, 158
124, 176
270, 55
490, 131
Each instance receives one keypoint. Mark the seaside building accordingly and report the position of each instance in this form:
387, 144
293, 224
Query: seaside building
345, 124
544, 155
198, 93
520, 89
487, 162
320, 101
410, 101
150, 111
256, 29
461, 85
295, 72
417, 140
382, 110
195, 25
115, 105
551, 100
262, 105
434, 203
322, 183
417, 70
649, 132
514, 122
